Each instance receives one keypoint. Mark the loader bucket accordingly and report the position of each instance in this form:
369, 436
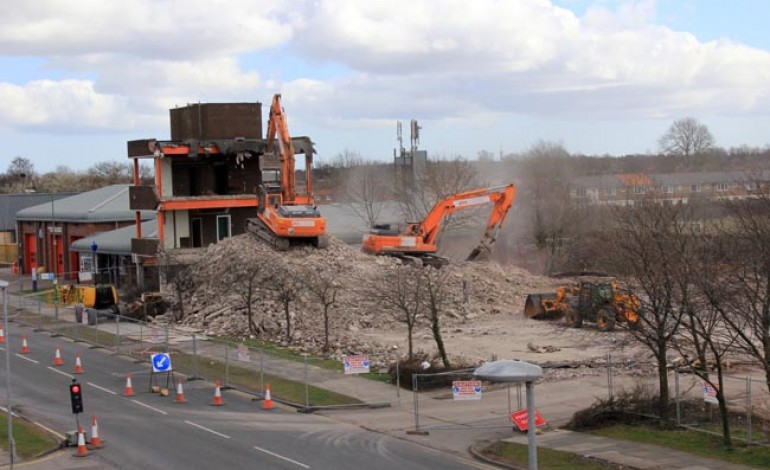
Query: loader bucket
533, 306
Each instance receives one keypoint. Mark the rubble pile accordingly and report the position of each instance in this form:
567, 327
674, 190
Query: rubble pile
213, 303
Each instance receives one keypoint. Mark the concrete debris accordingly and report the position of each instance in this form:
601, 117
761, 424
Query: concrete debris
481, 321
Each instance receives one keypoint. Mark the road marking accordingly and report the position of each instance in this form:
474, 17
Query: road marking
62, 373
148, 406
60, 436
281, 457
207, 429
28, 359
101, 388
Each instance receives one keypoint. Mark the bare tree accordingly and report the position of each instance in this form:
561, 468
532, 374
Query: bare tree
686, 137
323, 285
442, 178
179, 277
706, 332
436, 297
287, 285
401, 294
555, 215
106, 173
21, 167
746, 243
648, 245
367, 188
246, 279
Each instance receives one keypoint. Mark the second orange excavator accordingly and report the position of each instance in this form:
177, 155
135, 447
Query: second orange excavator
419, 239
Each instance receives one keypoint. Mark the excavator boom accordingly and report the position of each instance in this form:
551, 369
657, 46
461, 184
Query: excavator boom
419, 239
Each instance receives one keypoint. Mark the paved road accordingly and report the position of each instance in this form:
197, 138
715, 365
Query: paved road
149, 431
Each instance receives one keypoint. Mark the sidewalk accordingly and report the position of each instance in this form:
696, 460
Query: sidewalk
454, 426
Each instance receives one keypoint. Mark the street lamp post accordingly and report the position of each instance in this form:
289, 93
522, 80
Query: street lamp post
11, 446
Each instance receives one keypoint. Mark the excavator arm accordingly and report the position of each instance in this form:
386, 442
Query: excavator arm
277, 126
420, 237
501, 196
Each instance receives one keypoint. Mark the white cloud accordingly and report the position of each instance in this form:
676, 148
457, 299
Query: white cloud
448, 60
142, 29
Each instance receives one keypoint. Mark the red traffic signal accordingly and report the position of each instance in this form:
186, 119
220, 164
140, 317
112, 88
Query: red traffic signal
76, 398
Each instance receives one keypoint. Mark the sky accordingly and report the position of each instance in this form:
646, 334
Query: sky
79, 78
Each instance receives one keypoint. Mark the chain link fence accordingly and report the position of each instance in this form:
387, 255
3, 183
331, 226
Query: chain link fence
695, 406
303, 381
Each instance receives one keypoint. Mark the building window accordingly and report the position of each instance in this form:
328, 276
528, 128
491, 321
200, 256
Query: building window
668, 189
639, 189
695, 188
609, 191
721, 187
580, 192
223, 227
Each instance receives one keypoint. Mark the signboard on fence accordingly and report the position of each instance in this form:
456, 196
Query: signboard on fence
520, 417
466, 390
356, 364
47, 276
243, 353
85, 276
709, 393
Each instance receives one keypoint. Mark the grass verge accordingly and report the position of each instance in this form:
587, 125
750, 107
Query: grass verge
516, 454
30, 440
694, 442
250, 380
286, 353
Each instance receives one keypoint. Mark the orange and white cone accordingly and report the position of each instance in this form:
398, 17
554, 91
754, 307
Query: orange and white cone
82, 450
180, 394
129, 391
218, 396
96, 441
78, 365
57, 360
2, 335
267, 403
24, 347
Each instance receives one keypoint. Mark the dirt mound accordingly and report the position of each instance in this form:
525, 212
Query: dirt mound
214, 304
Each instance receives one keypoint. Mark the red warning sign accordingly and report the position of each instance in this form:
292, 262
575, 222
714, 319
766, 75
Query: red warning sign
520, 419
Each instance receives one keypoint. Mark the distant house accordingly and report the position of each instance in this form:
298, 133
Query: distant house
625, 189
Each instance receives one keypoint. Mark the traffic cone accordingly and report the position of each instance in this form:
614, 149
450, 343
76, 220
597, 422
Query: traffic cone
2, 335
180, 394
96, 441
82, 449
24, 347
217, 396
78, 365
267, 403
129, 392
57, 361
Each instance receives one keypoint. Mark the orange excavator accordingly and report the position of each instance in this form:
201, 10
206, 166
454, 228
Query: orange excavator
419, 238
285, 218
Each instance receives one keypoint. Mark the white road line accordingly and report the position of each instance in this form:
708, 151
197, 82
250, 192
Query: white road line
281, 457
28, 359
148, 406
207, 429
101, 388
60, 372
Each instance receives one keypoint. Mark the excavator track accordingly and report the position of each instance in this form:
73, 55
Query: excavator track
263, 233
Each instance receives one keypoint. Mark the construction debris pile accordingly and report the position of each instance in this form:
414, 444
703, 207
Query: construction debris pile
213, 303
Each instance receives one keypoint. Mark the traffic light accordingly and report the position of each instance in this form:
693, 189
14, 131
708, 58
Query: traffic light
76, 397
